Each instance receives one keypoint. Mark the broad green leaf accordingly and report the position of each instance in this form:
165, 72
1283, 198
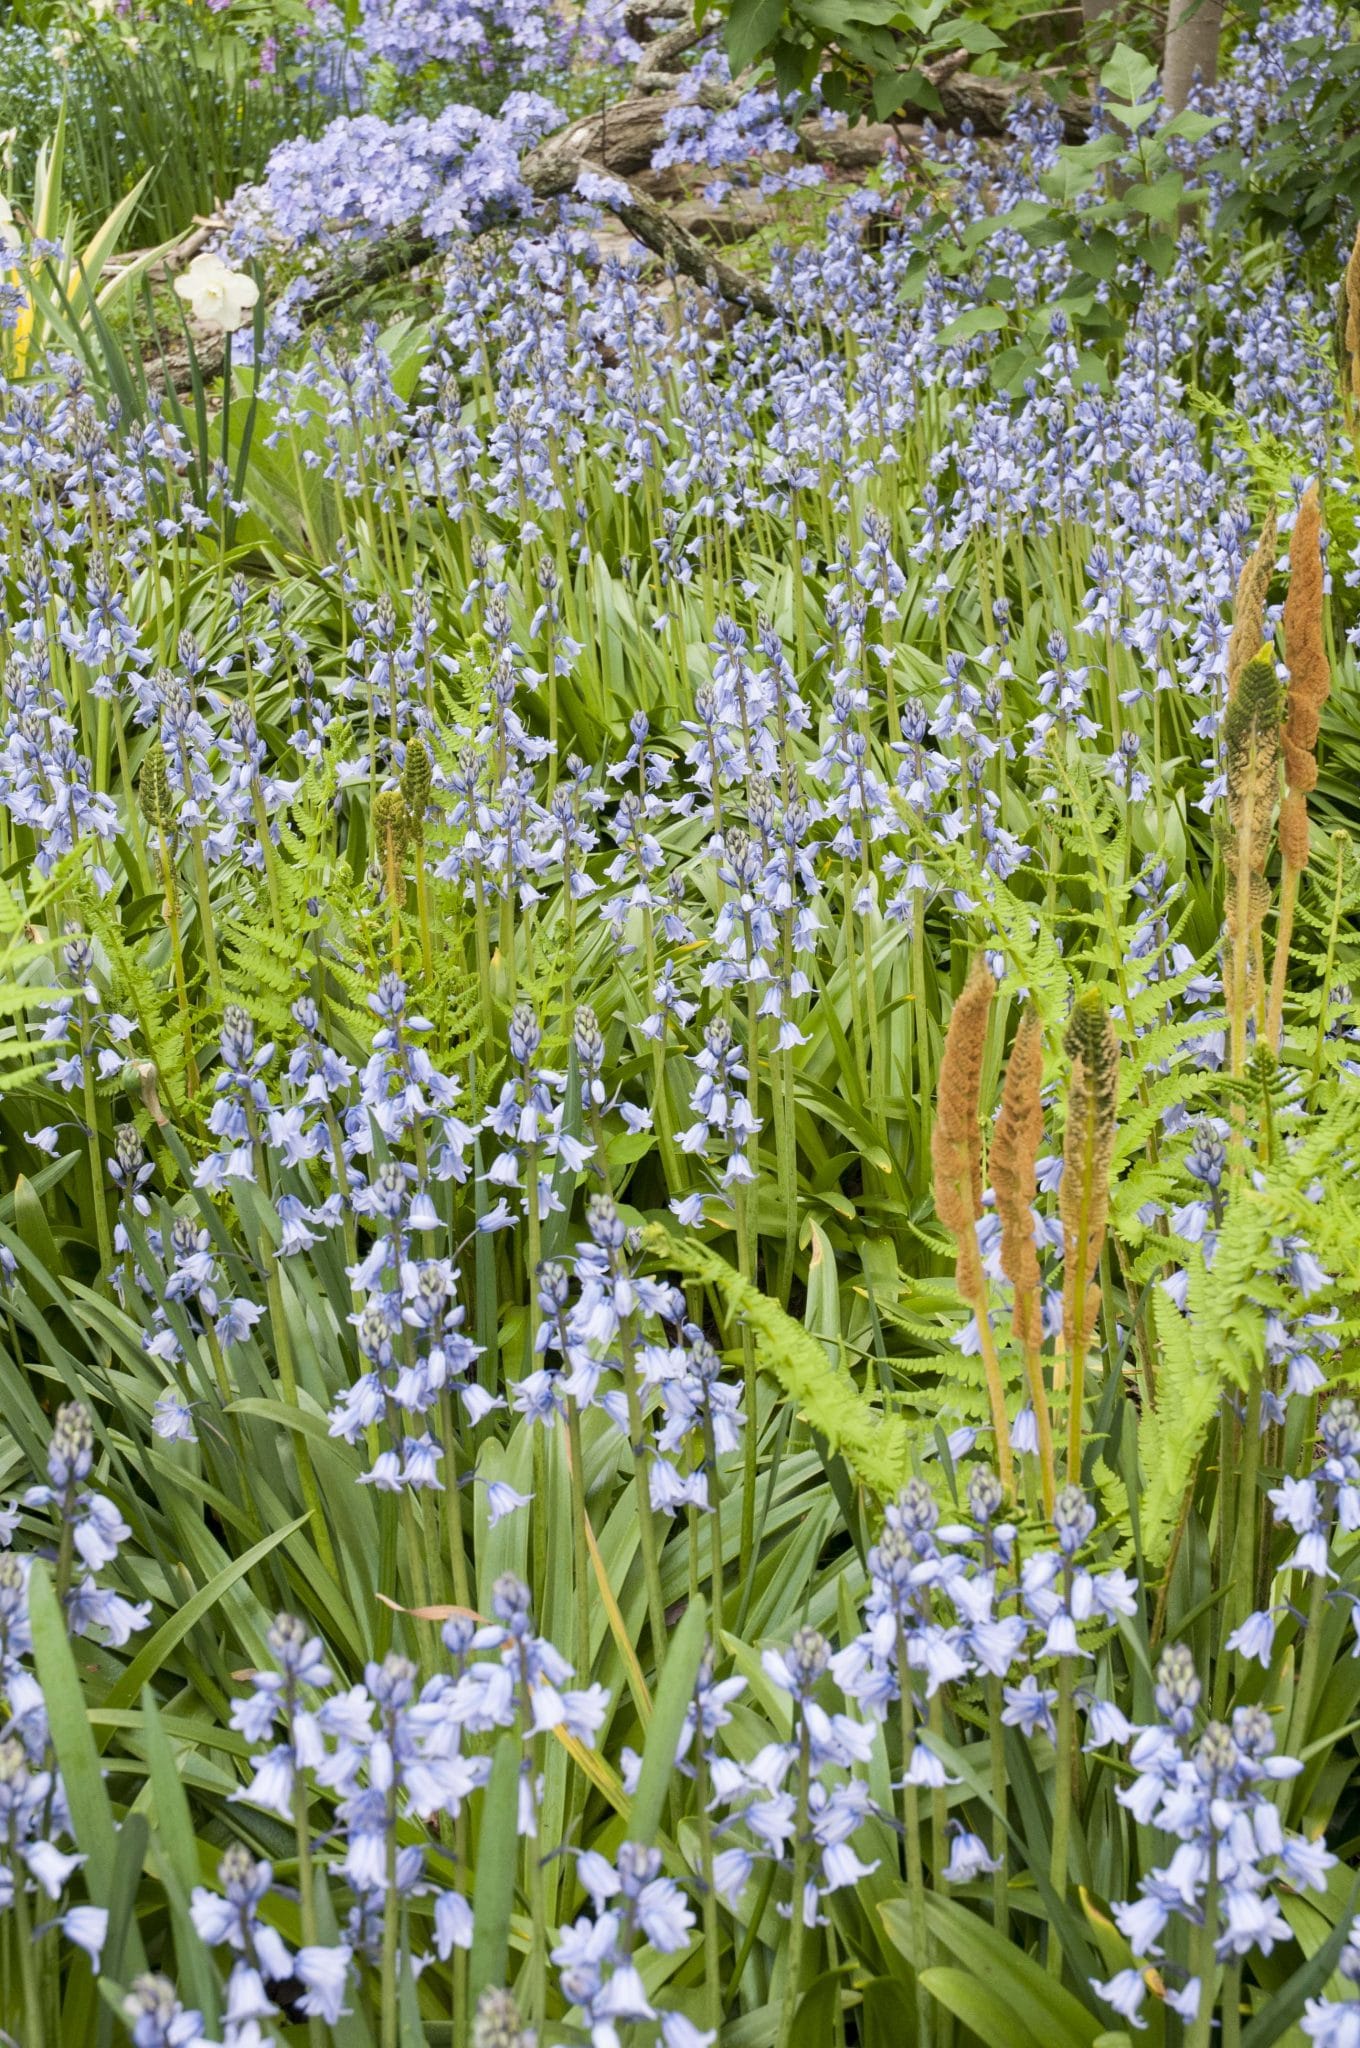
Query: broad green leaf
1282, 2012
751, 27
1097, 253
1160, 200
176, 1851
1126, 75
77, 1757
974, 320
896, 89
129, 1859
1048, 2012
30, 1221
984, 2007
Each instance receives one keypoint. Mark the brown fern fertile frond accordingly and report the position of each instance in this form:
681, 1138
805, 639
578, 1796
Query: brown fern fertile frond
1293, 830
956, 1154
956, 1141
1092, 1046
1249, 605
1305, 649
1351, 376
1015, 1147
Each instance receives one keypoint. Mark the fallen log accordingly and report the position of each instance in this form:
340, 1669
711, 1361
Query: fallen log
618, 143
623, 138
987, 103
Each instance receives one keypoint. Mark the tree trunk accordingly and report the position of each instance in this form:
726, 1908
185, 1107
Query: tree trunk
1192, 33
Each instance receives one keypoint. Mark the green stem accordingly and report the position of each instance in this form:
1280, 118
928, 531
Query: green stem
651, 1560
28, 1974
800, 1870
1231, 2036
996, 1740
311, 1493
712, 1942
1062, 1803
306, 1893
911, 1829
1202, 2026
389, 1940
581, 1562
103, 1235
1244, 1536
1302, 1710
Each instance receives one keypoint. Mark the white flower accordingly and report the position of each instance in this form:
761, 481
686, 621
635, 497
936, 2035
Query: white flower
87, 1927
216, 296
1125, 1991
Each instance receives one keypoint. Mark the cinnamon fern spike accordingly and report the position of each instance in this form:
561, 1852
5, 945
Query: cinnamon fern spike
1251, 731
956, 1155
1015, 1148
1350, 367
1310, 683
1088, 1146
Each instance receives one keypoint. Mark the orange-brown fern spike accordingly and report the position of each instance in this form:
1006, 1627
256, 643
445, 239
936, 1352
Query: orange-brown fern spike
1350, 370
1015, 1148
1251, 746
956, 1155
1310, 683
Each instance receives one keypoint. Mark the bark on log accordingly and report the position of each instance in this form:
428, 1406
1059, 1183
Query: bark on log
550, 172
657, 72
638, 20
986, 102
364, 265
620, 139
623, 137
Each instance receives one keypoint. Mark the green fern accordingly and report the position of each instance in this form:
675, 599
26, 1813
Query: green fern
874, 1446
1218, 1342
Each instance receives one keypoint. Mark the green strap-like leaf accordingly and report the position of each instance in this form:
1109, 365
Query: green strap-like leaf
673, 1696
494, 1887
72, 1738
152, 1655
77, 1758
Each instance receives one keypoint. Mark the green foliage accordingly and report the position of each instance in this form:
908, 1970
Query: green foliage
1306, 173
874, 1446
1115, 206
179, 117
869, 56
826, 1280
